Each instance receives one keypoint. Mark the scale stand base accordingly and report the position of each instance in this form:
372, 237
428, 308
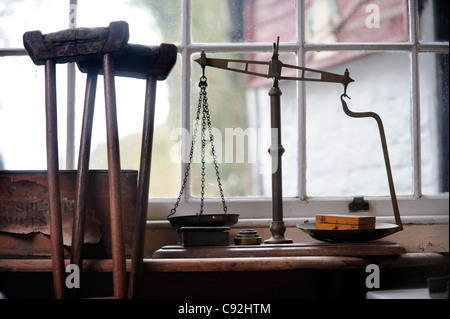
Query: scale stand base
277, 228
282, 240
190, 236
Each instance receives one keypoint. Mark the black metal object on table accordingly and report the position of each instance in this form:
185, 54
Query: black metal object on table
197, 236
204, 220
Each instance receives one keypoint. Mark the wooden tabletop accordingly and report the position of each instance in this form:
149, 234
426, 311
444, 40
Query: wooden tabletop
238, 263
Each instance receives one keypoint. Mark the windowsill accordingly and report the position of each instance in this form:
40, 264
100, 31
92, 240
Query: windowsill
423, 210
292, 222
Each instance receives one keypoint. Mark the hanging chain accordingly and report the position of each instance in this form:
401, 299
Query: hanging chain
206, 122
211, 139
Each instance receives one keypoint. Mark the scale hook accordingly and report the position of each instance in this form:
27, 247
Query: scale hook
202, 62
276, 46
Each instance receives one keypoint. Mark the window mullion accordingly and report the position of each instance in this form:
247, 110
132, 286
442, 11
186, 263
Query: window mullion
5, 52
241, 47
185, 90
71, 83
415, 98
362, 46
186, 23
301, 60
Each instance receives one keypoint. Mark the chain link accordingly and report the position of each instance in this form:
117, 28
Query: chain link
206, 123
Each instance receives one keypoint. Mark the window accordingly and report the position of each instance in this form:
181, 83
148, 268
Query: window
397, 51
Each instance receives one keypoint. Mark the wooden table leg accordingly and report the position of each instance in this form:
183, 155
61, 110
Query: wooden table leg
115, 190
83, 171
54, 199
143, 188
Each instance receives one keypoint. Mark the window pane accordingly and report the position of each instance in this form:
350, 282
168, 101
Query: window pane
166, 169
244, 21
434, 122
130, 96
329, 21
240, 114
22, 114
163, 15
20, 16
143, 25
433, 20
145, 20
344, 155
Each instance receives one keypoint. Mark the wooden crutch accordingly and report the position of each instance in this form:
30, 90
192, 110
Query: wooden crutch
152, 64
71, 45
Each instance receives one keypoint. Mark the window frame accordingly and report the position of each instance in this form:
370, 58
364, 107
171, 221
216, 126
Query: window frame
412, 207
256, 211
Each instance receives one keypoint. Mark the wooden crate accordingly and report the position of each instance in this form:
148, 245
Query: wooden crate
24, 219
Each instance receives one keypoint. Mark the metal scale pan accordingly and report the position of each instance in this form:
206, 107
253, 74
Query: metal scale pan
349, 235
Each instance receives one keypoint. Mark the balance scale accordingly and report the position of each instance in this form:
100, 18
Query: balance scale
211, 229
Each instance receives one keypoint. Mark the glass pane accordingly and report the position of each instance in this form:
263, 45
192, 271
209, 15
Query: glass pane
20, 16
244, 21
433, 20
130, 96
148, 25
240, 116
148, 22
22, 114
161, 16
329, 21
166, 169
344, 154
434, 122
151, 22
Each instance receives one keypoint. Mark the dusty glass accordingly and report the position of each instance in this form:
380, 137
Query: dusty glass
240, 114
244, 21
434, 122
332, 21
433, 20
344, 154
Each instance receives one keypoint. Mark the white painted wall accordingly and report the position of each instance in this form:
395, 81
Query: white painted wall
344, 155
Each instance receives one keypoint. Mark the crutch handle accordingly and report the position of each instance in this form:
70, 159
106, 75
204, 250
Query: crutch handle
73, 45
139, 61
